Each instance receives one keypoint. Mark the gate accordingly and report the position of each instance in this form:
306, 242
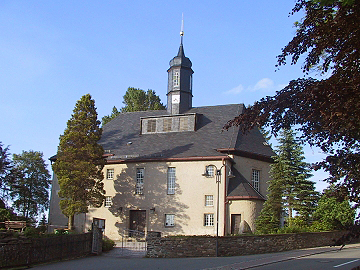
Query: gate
131, 245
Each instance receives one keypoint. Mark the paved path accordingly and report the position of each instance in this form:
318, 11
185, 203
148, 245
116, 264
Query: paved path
112, 261
127, 250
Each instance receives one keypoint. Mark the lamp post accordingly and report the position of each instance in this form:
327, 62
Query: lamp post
218, 181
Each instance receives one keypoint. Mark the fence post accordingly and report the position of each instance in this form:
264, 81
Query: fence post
96, 240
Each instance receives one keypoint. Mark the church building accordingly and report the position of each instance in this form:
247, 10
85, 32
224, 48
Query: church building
175, 171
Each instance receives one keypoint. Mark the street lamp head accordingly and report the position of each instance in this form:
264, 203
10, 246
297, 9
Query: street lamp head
230, 174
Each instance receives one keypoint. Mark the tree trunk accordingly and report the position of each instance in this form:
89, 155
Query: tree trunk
71, 222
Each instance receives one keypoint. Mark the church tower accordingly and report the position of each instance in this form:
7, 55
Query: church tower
179, 94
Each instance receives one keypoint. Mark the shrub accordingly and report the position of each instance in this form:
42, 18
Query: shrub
31, 232
293, 229
107, 244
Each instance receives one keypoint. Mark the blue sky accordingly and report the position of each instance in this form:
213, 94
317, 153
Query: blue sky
53, 52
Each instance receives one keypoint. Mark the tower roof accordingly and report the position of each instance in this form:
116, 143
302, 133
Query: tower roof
181, 60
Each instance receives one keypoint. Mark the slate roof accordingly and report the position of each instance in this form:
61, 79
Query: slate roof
122, 136
240, 188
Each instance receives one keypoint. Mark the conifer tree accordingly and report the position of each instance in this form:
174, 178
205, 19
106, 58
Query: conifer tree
269, 218
289, 187
298, 192
79, 161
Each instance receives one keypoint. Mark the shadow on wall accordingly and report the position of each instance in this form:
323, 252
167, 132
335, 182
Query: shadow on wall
154, 196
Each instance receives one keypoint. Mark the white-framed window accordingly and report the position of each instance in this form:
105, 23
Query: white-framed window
255, 179
167, 124
169, 220
151, 125
176, 78
108, 201
209, 200
208, 220
110, 174
139, 188
210, 171
171, 177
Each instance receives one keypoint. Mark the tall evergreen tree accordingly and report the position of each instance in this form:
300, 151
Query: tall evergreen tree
80, 161
29, 189
298, 192
289, 187
269, 218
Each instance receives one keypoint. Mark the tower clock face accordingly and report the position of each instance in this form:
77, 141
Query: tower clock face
176, 99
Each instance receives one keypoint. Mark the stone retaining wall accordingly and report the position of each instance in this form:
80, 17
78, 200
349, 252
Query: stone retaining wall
205, 246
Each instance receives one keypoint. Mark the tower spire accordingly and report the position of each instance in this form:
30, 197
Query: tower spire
182, 30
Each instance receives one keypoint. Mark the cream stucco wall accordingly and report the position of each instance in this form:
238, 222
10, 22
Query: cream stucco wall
187, 204
248, 209
245, 167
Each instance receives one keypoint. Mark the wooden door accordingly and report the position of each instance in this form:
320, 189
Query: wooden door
235, 223
138, 220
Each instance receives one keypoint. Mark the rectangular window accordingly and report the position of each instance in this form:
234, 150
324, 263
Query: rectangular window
209, 200
110, 174
176, 78
184, 126
255, 179
108, 201
167, 122
208, 219
210, 171
139, 189
169, 220
151, 125
171, 181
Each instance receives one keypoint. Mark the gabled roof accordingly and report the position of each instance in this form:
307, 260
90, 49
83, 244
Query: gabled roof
121, 136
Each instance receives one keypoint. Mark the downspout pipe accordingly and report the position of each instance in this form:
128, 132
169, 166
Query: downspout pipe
225, 189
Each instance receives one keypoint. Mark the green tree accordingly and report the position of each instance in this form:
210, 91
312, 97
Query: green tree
136, 99
266, 134
289, 187
269, 218
326, 111
79, 161
291, 172
29, 190
5, 170
107, 118
333, 214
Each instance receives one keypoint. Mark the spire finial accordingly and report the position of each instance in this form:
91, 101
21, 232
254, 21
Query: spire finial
182, 30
